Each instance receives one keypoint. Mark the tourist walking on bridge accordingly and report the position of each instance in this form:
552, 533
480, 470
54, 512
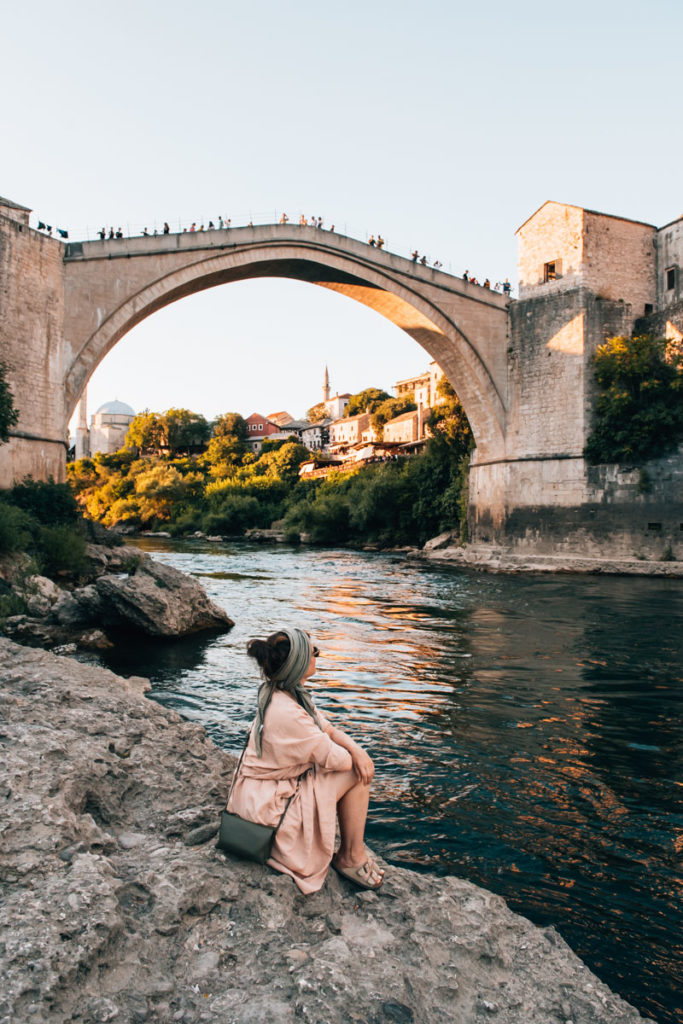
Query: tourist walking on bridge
294, 752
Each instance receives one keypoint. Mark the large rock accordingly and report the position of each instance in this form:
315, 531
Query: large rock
159, 601
117, 906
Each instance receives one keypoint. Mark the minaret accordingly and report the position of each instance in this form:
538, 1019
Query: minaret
82, 435
326, 387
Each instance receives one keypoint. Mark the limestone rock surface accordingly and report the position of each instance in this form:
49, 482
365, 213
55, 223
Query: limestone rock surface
116, 905
160, 601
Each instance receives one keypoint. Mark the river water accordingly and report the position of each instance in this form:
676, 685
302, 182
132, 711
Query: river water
526, 729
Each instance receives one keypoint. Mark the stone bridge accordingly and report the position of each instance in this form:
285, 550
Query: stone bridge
521, 369
112, 285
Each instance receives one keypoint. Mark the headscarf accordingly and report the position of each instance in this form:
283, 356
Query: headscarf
288, 678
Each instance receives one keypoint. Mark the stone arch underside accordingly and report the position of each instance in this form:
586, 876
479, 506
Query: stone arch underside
403, 306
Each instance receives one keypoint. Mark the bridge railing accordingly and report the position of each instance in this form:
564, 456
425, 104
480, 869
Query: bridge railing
262, 218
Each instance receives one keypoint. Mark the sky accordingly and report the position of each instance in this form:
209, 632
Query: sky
441, 125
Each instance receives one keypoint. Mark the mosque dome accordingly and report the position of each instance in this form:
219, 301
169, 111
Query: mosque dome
115, 408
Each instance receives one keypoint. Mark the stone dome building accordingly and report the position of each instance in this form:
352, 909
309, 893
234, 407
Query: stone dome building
108, 428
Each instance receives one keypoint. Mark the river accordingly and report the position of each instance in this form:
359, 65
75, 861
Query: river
526, 729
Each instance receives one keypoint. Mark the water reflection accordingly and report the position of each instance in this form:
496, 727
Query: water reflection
527, 732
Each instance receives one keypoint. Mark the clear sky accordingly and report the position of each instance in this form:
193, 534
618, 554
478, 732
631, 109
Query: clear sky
442, 125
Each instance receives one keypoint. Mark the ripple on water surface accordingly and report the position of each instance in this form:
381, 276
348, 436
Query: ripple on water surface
526, 731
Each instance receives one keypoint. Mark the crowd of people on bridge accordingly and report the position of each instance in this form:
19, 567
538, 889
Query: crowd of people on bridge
500, 286
375, 241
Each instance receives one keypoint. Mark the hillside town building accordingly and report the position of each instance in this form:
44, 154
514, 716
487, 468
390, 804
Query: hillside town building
280, 419
258, 429
349, 430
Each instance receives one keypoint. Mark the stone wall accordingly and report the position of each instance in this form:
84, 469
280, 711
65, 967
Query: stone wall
669, 254
625, 512
619, 260
611, 257
553, 501
31, 332
667, 323
555, 232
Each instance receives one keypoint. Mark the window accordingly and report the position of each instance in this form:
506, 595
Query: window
648, 308
552, 270
656, 527
670, 273
260, 426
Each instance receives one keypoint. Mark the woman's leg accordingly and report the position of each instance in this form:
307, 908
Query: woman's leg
352, 808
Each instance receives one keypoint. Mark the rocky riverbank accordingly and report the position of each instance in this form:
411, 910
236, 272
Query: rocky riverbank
119, 590
117, 906
487, 558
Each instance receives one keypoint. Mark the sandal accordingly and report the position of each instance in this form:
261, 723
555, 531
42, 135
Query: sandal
362, 873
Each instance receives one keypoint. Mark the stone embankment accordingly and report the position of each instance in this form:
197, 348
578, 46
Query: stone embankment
118, 907
125, 589
447, 548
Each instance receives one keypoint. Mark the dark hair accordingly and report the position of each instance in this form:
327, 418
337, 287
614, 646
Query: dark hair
271, 653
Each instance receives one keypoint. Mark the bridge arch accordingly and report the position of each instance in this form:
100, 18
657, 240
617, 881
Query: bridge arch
117, 294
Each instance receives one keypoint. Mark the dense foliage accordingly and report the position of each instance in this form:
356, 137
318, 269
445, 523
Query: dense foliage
366, 401
317, 413
8, 414
175, 431
389, 409
227, 488
43, 521
639, 407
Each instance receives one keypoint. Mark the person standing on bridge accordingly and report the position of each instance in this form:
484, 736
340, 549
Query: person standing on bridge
414, 256
284, 218
167, 229
371, 240
380, 242
294, 752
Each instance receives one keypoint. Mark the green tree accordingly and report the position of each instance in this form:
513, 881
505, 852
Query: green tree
8, 414
366, 400
639, 406
146, 433
390, 409
185, 429
224, 454
283, 462
230, 424
317, 413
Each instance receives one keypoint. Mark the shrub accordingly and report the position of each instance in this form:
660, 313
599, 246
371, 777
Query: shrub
639, 407
16, 529
61, 550
48, 502
235, 514
9, 416
11, 604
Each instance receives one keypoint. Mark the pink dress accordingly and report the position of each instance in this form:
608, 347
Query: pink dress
292, 742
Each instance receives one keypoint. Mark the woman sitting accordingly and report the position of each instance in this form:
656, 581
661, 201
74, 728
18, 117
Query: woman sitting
293, 749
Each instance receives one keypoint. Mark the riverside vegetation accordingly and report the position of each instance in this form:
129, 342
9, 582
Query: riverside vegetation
160, 481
